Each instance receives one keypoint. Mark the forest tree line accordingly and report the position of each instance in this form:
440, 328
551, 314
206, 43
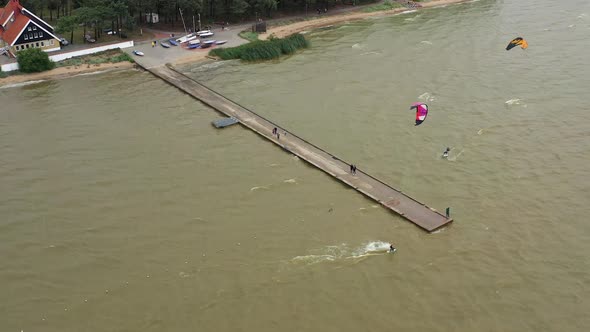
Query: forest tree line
124, 15
168, 10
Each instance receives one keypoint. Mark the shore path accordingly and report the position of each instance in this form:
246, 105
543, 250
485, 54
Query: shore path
386, 195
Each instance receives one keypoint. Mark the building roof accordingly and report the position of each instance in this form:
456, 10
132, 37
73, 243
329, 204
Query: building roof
11, 31
13, 6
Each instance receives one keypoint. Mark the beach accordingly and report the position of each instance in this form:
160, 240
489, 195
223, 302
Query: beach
277, 31
297, 27
64, 72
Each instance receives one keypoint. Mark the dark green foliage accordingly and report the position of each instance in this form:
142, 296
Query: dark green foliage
263, 50
33, 60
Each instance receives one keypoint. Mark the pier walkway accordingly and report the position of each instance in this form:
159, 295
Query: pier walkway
391, 198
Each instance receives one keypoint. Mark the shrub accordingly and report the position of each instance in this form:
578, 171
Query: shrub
263, 49
34, 60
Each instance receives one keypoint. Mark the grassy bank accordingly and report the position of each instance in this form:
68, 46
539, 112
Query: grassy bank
263, 49
109, 56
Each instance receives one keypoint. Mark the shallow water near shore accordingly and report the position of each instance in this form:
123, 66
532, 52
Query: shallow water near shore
123, 209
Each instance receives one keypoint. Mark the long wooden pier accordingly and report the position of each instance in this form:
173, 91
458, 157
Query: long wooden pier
420, 214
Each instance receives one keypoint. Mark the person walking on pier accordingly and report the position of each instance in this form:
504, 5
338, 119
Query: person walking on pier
351, 169
274, 131
354, 169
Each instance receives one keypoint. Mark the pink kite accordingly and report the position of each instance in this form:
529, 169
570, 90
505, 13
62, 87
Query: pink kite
421, 112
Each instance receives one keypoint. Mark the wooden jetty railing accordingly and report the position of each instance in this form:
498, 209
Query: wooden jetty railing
420, 214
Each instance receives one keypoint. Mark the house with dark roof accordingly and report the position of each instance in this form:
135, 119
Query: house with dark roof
21, 29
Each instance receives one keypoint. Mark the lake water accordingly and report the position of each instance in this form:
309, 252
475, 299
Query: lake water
123, 209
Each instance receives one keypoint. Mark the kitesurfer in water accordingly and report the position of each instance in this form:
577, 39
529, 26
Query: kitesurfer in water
446, 153
391, 248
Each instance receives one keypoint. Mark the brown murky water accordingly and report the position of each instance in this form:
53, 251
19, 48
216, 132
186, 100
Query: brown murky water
123, 209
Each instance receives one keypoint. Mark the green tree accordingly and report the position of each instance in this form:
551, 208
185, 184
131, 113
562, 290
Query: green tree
239, 7
263, 6
67, 24
33, 60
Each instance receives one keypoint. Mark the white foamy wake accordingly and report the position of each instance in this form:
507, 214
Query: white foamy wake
258, 188
375, 247
16, 85
358, 46
427, 42
412, 19
343, 252
369, 53
290, 181
511, 102
454, 158
426, 97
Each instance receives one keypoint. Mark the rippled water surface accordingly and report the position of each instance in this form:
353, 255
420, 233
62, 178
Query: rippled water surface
123, 209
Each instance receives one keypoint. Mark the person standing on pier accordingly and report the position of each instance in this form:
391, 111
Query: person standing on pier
274, 131
354, 169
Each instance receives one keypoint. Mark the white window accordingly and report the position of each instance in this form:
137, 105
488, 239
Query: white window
26, 37
29, 29
34, 27
30, 36
35, 34
40, 33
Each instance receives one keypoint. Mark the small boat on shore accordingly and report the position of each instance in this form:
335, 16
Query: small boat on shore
205, 33
165, 45
186, 38
138, 53
220, 42
207, 43
173, 42
194, 44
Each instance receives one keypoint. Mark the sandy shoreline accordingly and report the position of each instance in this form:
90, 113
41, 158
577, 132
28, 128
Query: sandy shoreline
64, 72
286, 30
278, 31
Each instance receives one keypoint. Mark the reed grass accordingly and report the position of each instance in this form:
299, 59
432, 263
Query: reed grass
263, 49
